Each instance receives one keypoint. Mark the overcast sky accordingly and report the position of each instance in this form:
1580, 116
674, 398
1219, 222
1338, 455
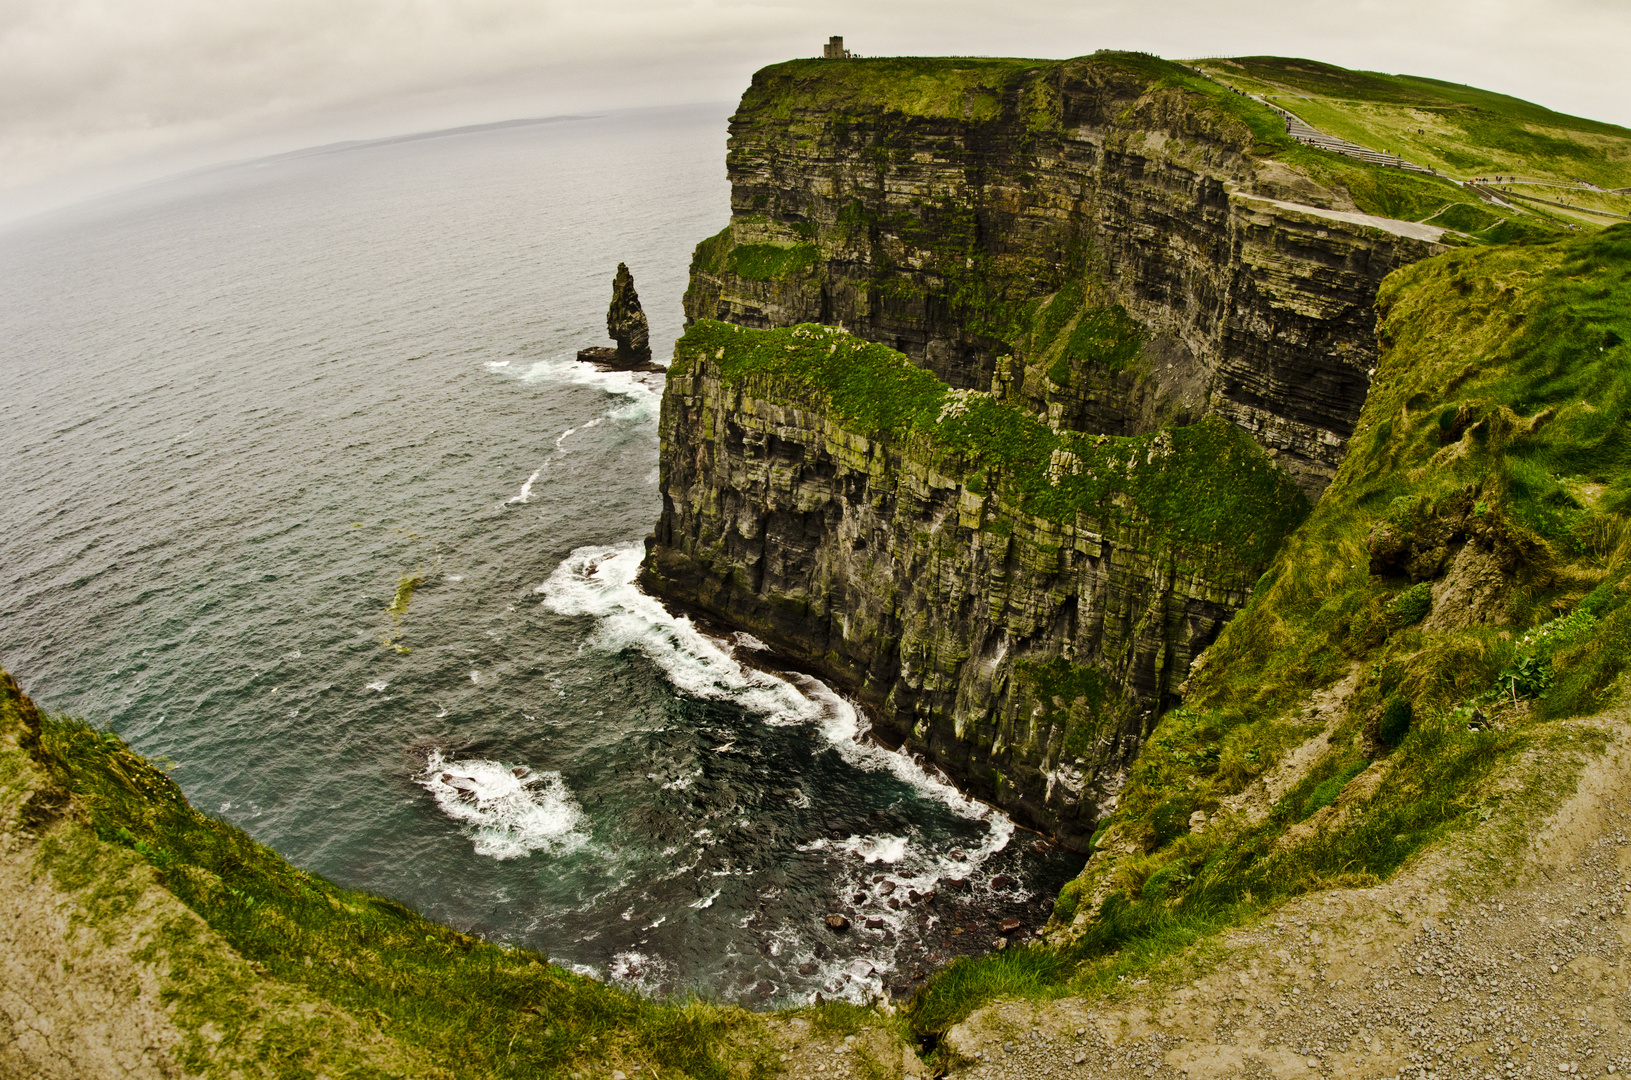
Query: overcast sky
95, 94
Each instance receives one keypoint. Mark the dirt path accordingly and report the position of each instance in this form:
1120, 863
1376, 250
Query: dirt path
1471, 963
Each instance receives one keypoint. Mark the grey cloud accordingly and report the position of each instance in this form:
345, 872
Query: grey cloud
144, 84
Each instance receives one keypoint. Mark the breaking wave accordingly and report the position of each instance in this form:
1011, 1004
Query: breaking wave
507, 811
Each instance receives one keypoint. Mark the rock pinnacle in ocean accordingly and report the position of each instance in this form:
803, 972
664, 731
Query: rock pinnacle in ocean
626, 323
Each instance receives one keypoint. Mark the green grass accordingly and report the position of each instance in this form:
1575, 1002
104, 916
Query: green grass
480, 1008
1505, 378
1070, 332
1325, 792
1458, 129
713, 254
1206, 489
766, 262
958, 87
1065, 697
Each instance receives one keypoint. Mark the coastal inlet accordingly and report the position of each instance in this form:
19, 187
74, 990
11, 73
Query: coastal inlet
283, 529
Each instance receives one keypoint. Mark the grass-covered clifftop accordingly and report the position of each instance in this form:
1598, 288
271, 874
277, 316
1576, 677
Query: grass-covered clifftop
1462, 585
218, 958
983, 88
1462, 131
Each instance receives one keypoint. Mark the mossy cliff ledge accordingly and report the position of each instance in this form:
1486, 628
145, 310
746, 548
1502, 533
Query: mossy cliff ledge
1011, 601
1114, 243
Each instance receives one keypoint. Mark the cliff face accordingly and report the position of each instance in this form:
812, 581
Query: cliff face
1100, 254
977, 215
1011, 601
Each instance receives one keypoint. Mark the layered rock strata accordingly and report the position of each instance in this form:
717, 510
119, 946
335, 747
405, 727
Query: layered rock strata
940, 206
1010, 601
625, 324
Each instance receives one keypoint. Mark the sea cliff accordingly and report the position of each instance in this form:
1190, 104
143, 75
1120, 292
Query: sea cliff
1013, 602
1105, 241
1099, 253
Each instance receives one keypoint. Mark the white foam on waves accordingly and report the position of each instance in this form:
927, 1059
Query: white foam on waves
627, 384
640, 404
637, 971
507, 811
600, 581
525, 494
845, 727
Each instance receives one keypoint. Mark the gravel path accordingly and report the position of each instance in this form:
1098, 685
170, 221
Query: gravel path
1517, 969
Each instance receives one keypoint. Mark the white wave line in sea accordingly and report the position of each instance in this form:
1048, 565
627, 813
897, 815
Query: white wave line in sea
526, 488
640, 403
601, 581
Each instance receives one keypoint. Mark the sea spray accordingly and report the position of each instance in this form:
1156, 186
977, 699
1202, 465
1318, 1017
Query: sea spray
508, 811
868, 870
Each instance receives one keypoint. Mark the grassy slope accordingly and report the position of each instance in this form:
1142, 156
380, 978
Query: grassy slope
468, 1006
1496, 410
1458, 129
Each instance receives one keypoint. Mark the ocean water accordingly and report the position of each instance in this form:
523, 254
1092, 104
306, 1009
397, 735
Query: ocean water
239, 408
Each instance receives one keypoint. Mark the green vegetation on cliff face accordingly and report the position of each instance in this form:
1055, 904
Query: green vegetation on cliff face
1205, 485
1463, 582
337, 982
1010, 599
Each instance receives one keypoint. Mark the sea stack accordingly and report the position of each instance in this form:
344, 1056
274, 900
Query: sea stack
626, 323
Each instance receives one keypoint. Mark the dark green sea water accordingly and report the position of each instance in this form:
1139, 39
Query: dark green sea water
237, 408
